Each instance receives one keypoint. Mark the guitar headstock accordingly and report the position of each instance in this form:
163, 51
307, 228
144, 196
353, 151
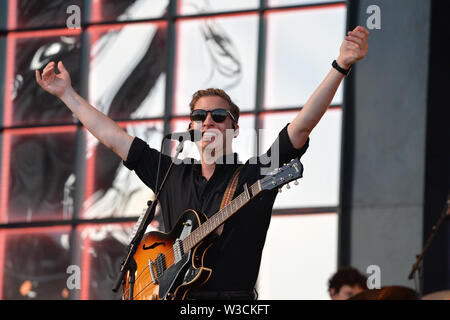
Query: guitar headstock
285, 174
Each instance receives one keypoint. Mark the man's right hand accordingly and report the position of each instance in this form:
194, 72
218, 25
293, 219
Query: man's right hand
102, 127
53, 83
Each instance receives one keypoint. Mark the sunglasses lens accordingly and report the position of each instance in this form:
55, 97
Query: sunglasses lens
219, 115
198, 115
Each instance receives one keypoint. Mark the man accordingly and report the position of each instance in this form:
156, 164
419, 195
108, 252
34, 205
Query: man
346, 283
236, 254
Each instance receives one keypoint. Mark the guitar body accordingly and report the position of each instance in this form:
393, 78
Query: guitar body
162, 275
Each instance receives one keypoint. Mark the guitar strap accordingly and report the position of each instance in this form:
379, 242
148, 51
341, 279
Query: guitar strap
228, 195
231, 188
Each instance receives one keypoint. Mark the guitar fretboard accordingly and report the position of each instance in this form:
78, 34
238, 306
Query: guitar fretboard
220, 217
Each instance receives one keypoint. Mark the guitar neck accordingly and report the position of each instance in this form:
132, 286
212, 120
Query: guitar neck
220, 217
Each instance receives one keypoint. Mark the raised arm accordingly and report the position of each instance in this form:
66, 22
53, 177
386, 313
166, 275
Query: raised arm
102, 127
353, 48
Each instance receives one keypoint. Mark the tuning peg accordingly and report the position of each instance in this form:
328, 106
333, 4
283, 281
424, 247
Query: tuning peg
296, 182
288, 186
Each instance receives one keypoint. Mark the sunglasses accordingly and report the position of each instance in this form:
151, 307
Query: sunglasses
218, 115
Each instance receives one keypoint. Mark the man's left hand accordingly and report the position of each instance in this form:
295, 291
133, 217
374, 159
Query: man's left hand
354, 47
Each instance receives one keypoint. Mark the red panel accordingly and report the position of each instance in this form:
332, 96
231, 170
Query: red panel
8, 134
6, 233
10, 62
96, 240
12, 14
97, 31
90, 186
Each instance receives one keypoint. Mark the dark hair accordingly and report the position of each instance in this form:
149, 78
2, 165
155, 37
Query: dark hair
347, 276
234, 109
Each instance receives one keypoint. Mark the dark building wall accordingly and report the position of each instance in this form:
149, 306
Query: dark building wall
436, 267
384, 158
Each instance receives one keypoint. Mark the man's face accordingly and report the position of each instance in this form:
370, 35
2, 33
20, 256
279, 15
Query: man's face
214, 134
345, 292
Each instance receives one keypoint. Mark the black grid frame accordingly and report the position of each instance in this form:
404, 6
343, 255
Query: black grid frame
76, 222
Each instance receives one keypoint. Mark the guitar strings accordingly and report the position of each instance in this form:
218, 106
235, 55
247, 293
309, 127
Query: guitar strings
169, 253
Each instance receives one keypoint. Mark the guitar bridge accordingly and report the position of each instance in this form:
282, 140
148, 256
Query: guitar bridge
152, 273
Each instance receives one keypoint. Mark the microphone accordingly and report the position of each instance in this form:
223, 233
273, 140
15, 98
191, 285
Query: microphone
191, 135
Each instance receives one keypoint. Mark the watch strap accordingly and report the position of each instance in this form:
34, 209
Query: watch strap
335, 65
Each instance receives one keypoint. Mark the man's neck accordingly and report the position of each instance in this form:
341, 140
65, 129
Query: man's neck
209, 164
208, 170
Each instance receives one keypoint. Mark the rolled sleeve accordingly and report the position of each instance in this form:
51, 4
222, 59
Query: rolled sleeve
135, 153
280, 152
144, 161
287, 150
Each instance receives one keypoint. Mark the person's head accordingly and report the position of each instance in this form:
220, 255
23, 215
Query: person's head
222, 122
345, 283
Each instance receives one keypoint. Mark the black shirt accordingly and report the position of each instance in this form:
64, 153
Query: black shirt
236, 255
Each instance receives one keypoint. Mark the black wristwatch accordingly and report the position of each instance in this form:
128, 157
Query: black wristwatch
345, 72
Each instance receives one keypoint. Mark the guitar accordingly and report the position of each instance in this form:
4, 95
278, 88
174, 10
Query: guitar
171, 264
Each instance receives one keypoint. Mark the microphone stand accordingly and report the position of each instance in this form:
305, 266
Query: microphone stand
129, 264
445, 213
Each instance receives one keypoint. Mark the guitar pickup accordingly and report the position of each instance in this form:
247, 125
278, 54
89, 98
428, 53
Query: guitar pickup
178, 250
160, 264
